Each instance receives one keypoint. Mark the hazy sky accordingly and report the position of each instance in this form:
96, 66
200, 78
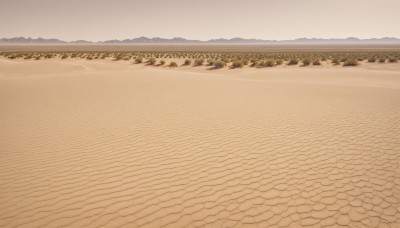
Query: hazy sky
199, 19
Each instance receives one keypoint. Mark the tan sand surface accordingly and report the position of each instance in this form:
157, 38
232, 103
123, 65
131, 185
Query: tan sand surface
107, 144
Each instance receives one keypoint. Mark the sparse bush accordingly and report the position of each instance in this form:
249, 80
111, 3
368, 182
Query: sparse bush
245, 61
316, 62
138, 60
225, 60
162, 62
219, 64
372, 60
151, 61
279, 62
210, 62
351, 62
64, 56
173, 64
293, 62
392, 60
306, 62
198, 62
335, 62
237, 64
382, 60
269, 63
187, 62
254, 62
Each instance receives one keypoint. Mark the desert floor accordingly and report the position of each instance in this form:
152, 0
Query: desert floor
101, 143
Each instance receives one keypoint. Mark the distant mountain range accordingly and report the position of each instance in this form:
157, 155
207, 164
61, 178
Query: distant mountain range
178, 40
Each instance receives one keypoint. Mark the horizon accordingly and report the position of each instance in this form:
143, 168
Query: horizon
256, 19
208, 40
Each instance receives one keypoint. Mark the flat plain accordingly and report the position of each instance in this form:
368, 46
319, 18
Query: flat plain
102, 143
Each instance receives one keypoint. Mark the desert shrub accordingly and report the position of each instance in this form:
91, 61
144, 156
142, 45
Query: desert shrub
138, 60
316, 62
351, 62
237, 64
187, 62
279, 62
210, 62
198, 62
293, 62
254, 63
226, 60
269, 63
306, 62
151, 61
382, 60
162, 62
219, 64
173, 64
64, 56
38, 57
245, 61
392, 60
372, 60
335, 62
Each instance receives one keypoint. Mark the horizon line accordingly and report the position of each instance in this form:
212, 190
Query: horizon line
199, 40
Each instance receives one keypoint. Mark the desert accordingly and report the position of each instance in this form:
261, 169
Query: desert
183, 114
105, 143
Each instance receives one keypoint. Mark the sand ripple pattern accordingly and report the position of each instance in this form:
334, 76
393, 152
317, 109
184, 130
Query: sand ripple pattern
181, 150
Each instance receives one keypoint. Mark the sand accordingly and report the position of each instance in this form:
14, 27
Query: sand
107, 144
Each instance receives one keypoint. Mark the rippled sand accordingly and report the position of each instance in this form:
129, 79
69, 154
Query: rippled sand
90, 144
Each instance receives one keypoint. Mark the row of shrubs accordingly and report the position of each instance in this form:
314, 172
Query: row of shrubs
240, 63
221, 59
223, 56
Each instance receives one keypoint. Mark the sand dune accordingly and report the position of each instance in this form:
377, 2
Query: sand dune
100, 144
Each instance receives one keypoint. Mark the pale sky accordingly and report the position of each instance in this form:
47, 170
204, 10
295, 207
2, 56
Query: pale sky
98, 20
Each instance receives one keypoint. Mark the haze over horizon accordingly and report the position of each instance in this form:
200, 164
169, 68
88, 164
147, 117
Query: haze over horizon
99, 20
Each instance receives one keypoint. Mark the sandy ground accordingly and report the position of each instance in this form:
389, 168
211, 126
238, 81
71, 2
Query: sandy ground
100, 143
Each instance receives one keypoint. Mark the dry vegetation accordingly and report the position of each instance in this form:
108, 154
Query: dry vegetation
220, 59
